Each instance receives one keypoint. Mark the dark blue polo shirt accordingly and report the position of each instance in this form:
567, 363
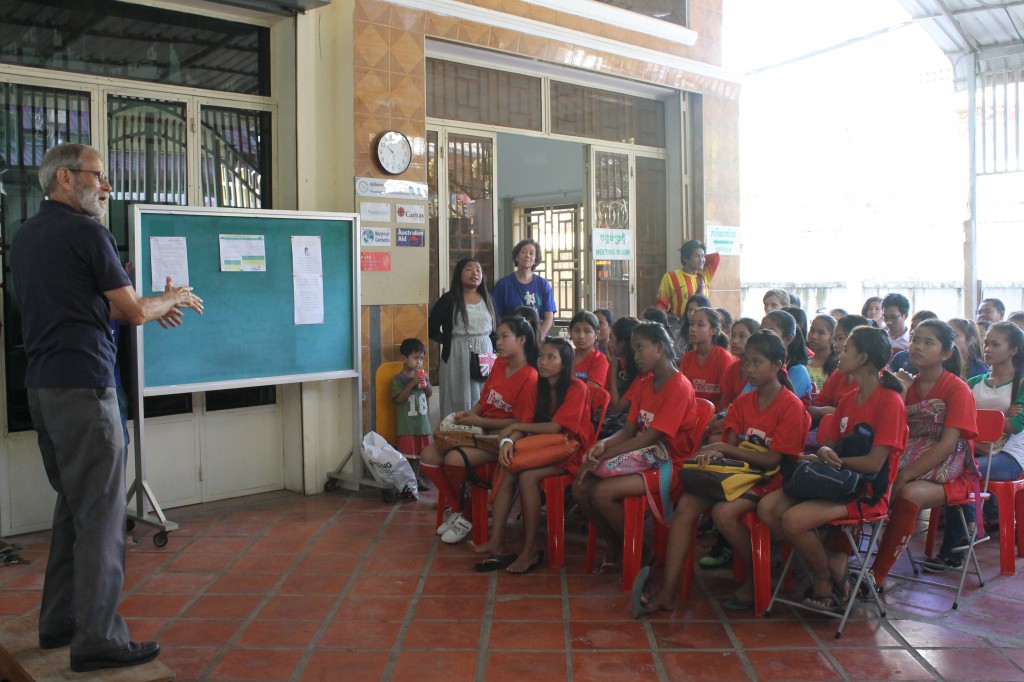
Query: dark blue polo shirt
62, 262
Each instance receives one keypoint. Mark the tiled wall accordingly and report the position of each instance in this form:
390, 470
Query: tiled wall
390, 93
384, 327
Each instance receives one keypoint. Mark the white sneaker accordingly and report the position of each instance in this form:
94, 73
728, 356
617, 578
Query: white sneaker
448, 520
458, 532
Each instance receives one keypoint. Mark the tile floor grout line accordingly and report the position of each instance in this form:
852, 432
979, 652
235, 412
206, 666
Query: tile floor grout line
173, 620
999, 652
912, 650
403, 630
354, 575
484, 640
229, 645
563, 583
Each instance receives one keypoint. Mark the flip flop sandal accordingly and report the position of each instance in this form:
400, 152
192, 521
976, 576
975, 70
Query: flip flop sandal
824, 602
495, 563
535, 564
641, 589
734, 604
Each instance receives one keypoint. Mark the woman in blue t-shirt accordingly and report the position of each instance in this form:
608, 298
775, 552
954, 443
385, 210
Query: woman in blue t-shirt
525, 288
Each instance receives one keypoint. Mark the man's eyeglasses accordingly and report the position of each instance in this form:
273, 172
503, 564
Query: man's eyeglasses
891, 318
100, 175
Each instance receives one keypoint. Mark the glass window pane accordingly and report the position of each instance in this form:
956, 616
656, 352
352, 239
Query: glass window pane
598, 114
235, 171
611, 202
673, 11
471, 200
147, 164
235, 150
460, 92
127, 40
433, 211
32, 120
651, 202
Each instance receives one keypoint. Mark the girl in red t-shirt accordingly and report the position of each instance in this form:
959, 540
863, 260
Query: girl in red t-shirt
562, 407
770, 415
938, 464
706, 362
621, 375
878, 402
663, 410
589, 364
507, 397
820, 340
838, 384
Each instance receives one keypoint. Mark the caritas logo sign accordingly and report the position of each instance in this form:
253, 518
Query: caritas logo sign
411, 213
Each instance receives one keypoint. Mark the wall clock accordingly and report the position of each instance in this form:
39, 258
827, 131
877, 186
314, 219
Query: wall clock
394, 153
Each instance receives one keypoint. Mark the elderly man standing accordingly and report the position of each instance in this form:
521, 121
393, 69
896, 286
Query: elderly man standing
69, 284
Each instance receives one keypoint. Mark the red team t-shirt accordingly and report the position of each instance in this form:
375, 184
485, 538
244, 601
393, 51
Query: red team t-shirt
885, 412
573, 416
782, 426
513, 397
672, 410
733, 382
961, 413
707, 379
593, 368
836, 386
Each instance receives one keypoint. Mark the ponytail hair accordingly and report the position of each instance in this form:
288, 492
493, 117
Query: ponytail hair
718, 337
532, 317
656, 333
832, 361
800, 316
850, 322
1014, 339
970, 331
586, 317
544, 409
773, 348
875, 344
947, 337
623, 330
523, 330
796, 354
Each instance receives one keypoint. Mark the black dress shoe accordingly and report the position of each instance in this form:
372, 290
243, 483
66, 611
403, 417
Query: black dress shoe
55, 641
132, 653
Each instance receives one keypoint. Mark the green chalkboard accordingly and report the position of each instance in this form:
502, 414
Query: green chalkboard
247, 335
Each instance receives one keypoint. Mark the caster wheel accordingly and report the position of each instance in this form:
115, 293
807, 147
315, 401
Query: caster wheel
388, 496
160, 539
131, 525
331, 485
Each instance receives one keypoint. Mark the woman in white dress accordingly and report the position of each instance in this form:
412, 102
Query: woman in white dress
462, 321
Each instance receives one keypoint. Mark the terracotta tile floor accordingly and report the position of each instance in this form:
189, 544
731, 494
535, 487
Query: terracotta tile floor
344, 587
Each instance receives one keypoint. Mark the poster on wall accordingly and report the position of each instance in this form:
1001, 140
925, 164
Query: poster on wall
612, 244
375, 236
723, 240
375, 261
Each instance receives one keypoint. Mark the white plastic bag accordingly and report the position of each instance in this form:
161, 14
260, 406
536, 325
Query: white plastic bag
388, 465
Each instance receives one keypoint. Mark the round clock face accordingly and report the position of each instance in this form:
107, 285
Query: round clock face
394, 152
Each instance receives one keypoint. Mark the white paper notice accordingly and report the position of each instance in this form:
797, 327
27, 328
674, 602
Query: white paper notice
308, 280
375, 211
168, 257
243, 253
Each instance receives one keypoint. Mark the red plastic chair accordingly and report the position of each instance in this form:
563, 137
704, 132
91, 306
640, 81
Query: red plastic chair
990, 428
554, 486
477, 503
635, 508
1011, 523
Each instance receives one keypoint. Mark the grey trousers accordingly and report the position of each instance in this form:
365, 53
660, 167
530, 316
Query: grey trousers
82, 444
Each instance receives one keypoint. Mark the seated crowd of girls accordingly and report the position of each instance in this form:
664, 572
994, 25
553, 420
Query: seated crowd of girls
771, 384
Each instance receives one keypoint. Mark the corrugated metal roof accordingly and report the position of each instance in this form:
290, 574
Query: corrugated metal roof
993, 30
